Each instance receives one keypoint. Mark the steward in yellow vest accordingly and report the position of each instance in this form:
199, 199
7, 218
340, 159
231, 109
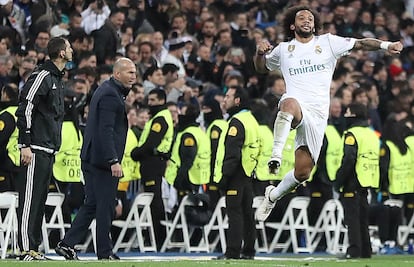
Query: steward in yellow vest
189, 165
67, 166
130, 168
400, 169
9, 135
153, 152
9, 151
216, 128
358, 172
241, 152
397, 164
397, 157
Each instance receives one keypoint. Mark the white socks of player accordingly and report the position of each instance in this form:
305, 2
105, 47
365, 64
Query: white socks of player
281, 131
285, 186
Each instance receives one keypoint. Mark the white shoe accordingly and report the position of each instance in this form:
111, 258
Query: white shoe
264, 210
274, 165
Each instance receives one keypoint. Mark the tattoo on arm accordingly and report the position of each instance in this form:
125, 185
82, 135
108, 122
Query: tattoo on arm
369, 44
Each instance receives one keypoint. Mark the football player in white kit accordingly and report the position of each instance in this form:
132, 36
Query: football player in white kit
307, 62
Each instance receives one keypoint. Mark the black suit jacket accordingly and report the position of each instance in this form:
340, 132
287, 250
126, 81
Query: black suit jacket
106, 127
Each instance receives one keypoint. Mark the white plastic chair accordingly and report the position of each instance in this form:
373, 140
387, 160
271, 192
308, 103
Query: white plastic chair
8, 224
180, 223
91, 237
328, 224
219, 223
295, 219
403, 230
54, 200
140, 221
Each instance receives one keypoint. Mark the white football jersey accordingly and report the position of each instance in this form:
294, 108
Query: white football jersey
308, 68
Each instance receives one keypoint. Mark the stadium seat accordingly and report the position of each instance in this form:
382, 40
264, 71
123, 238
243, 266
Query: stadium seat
216, 228
54, 200
8, 222
294, 221
405, 230
329, 225
179, 223
140, 219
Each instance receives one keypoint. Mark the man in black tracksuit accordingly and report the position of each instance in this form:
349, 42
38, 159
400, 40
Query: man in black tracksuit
39, 120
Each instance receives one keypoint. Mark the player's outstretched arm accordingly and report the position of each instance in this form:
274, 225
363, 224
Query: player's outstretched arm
372, 44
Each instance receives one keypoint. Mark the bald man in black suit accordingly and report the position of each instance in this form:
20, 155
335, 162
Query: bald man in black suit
101, 155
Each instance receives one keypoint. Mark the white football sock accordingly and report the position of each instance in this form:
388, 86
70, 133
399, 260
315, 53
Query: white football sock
281, 131
285, 186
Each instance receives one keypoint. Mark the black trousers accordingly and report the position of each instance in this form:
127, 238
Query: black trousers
32, 183
319, 193
356, 214
152, 170
242, 226
100, 199
153, 184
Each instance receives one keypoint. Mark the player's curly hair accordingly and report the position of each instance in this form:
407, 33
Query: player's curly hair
289, 19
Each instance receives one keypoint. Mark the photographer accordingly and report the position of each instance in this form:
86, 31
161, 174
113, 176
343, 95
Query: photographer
93, 18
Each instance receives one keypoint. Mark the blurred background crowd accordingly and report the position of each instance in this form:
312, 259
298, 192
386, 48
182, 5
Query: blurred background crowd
194, 50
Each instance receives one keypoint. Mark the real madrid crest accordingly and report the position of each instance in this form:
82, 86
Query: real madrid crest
291, 48
318, 49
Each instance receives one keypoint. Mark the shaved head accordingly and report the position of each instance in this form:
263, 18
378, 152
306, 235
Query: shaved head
122, 63
125, 71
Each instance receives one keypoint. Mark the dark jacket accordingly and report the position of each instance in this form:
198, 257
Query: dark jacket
153, 164
106, 127
41, 108
106, 42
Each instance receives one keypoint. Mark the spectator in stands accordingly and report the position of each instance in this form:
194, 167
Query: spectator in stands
132, 52
94, 16
87, 59
156, 14
25, 69
79, 40
179, 22
142, 118
109, 34
207, 34
145, 55
160, 52
45, 14
175, 52
15, 18
40, 44
203, 66
153, 78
